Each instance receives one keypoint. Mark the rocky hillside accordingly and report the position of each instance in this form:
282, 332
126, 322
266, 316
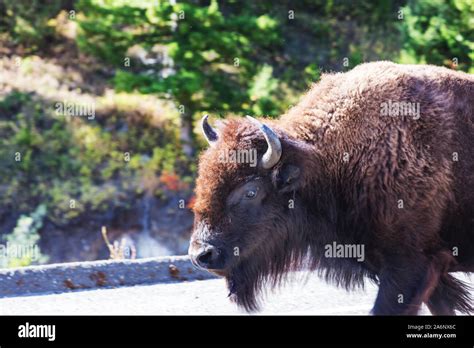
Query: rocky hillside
94, 170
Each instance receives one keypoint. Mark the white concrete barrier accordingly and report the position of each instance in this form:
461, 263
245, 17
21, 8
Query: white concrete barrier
57, 278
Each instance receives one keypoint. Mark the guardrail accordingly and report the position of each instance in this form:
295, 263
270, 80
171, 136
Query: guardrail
64, 277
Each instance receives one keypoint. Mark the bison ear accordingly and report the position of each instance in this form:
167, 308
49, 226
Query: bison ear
287, 178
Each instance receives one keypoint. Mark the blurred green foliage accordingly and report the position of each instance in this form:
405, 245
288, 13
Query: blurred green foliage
439, 32
28, 21
79, 167
21, 247
197, 56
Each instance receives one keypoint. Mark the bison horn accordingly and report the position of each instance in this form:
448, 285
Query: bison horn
209, 133
273, 153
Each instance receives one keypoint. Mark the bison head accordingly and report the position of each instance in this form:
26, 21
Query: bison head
249, 216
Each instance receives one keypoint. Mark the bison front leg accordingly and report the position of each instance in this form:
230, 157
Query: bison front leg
402, 289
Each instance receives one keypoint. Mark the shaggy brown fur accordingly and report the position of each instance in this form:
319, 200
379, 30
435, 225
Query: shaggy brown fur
400, 186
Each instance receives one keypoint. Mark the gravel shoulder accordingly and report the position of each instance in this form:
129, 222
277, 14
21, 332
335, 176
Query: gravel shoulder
204, 297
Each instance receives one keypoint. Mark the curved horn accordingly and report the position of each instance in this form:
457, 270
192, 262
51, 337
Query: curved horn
273, 153
209, 133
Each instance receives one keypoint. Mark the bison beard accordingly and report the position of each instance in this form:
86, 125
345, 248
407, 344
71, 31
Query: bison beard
273, 259
244, 282
268, 266
400, 185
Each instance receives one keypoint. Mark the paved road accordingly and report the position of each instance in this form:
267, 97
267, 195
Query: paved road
204, 297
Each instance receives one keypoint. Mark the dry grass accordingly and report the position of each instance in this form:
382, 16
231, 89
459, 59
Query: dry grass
119, 251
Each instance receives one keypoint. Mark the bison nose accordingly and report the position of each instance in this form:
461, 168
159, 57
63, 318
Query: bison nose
208, 257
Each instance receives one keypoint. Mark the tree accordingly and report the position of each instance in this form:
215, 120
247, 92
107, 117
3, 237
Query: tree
439, 32
195, 54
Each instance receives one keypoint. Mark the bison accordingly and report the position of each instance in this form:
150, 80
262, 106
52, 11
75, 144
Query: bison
380, 157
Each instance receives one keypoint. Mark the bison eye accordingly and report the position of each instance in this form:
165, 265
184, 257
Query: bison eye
251, 194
